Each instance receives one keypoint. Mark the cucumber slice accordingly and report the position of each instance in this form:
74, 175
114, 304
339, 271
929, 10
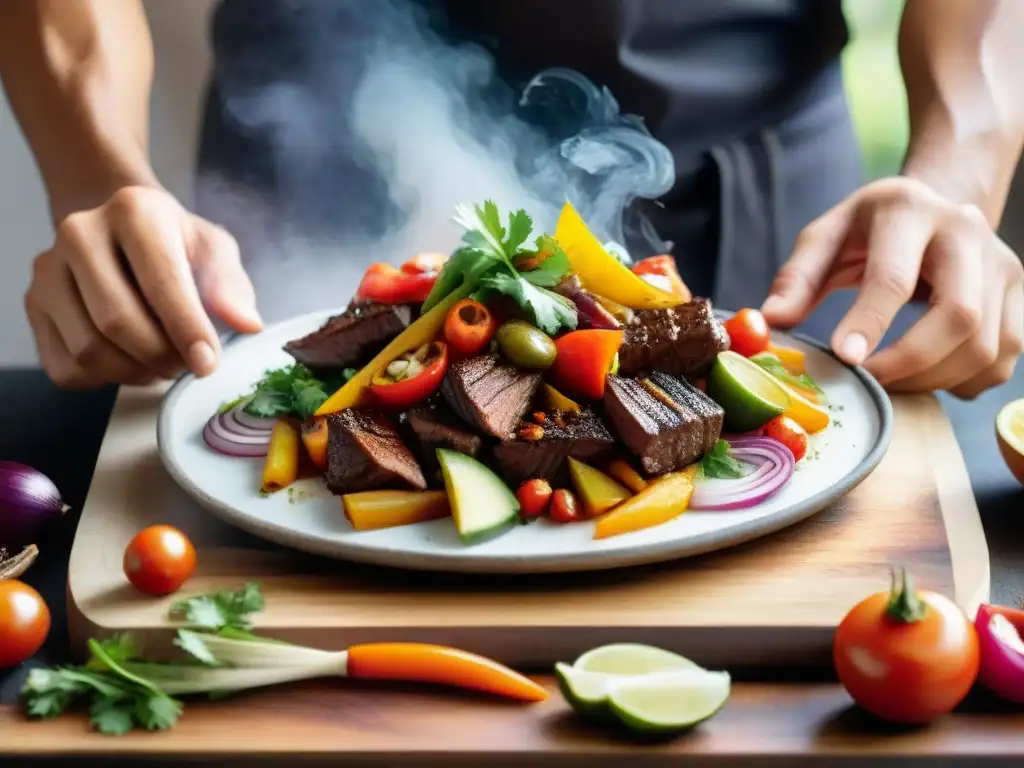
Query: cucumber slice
482, 505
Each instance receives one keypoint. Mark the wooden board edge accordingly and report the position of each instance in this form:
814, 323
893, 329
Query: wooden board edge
965, 534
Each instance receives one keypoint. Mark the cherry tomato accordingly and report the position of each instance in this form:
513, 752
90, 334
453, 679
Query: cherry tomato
789, 433
906, 656
424, 263
564, 507
159, 560
534, 497
748, 332
24, 622
469, 326
385, 284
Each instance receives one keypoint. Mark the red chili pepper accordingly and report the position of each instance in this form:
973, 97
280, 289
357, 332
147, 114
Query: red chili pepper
583, 360
665, 266
424, 263
384, 284
400, 394
469, 326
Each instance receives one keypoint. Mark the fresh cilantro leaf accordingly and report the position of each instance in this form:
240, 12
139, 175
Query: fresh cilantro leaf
348, 373
192, 643
552, 265
268, 404
774, 366
463, 269
719, 463
47, 704
225, 608
520, 225
307, 396
291, 390
491, 219
120, 648
549, 311
157, 713
112, 717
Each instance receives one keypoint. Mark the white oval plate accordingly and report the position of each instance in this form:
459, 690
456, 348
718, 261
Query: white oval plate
309, 518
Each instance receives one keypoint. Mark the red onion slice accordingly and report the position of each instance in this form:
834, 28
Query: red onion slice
774, 468
223, 440
252, 422
1002, 654
229, 421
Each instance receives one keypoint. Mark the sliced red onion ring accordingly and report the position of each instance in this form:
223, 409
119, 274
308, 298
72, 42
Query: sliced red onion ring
774, 464
225, 434
253, 422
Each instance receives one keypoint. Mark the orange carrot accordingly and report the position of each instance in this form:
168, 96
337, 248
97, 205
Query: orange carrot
314, 437
425, 663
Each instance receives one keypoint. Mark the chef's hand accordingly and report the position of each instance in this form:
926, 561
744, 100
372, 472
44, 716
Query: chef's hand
894, 240
123, 293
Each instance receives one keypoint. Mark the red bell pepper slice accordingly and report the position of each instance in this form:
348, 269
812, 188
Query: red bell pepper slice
584, 359
424, 263
398, 390
665, 266
384, 284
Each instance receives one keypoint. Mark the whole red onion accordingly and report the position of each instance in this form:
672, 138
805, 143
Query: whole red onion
28, 502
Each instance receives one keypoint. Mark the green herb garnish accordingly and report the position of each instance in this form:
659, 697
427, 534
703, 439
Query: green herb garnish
774, 366
293, 390
226, 608
493, 259
719, 463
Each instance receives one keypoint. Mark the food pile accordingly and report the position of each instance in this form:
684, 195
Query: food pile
529, 376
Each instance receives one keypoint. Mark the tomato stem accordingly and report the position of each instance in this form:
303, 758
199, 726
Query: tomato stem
904, 604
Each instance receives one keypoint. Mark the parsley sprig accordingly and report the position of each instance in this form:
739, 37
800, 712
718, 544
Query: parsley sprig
719, 463
293, 390
494, 259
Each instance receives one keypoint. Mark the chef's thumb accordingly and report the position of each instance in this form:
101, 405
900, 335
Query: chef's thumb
225, 287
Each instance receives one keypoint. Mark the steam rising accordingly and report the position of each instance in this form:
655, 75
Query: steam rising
437, 125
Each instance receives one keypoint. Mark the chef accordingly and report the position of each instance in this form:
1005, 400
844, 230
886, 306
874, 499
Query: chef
747, 95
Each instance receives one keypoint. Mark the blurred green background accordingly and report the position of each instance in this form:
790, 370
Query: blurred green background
874, 84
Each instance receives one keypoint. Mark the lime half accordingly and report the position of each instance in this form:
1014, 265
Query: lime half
587, 684
749, 395
670, 702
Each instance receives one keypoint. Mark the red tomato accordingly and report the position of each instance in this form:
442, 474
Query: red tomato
564, 507
399, 394
159, 560
789, 433
468, 327
748, 332
665, 266
906, 656
24, 622
583, 361
384, 284
534, 497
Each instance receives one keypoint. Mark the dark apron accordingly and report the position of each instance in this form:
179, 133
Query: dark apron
787, 151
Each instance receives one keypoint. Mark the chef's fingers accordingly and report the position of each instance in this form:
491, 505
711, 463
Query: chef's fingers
149, 226
223, 283
898, 234
1010, 349
796, 289
114, 307
53, 355
953, 339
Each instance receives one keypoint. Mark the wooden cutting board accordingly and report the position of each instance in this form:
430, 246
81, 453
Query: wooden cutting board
772, 601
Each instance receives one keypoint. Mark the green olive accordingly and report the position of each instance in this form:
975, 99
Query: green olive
526, 346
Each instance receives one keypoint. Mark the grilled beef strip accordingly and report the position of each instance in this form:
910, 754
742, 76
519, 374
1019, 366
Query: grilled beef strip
681, 341
365, 451
540, 450
435, 426
488, 394
348, 339
663, 420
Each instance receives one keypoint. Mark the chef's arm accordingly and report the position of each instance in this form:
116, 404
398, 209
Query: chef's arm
963, 65
77, 74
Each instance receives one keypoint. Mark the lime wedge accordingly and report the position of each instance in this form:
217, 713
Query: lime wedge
749, 395
586, 692
670, 702
631, 659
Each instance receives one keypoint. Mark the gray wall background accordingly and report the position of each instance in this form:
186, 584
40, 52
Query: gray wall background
180, 38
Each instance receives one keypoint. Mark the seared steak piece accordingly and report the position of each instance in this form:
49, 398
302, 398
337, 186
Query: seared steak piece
350, 338
662, 419
364, 451
540, 451
436, 427
682, 341
488, 394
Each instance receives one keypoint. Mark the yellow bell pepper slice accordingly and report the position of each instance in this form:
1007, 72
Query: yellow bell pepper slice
373, 510
601, 272
356, 391
809, 415
793, 360
281, 466
596, 490
622, 471
555, 401
662, 500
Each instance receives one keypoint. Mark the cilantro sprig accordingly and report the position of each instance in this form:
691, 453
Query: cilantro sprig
719, 463
293, 390
494, 259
